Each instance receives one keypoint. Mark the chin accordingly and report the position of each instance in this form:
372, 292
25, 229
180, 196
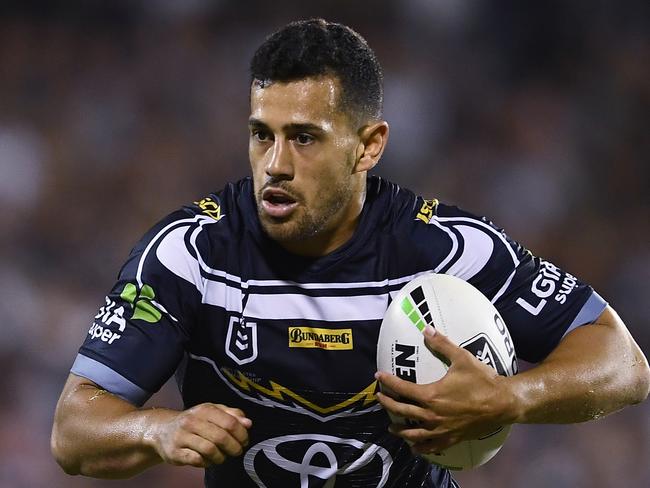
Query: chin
280, 231
292, 230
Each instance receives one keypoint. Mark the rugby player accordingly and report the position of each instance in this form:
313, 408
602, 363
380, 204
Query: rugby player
265, 299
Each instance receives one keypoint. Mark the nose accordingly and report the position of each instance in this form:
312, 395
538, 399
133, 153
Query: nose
280, 163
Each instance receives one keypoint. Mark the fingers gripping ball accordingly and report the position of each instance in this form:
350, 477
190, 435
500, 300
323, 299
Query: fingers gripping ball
463, 314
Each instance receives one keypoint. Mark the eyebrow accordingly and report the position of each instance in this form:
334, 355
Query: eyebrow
291, 128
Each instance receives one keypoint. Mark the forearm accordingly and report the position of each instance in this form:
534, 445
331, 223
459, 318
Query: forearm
596, 370
114, 440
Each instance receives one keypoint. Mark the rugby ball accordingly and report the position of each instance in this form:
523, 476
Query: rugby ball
462, 313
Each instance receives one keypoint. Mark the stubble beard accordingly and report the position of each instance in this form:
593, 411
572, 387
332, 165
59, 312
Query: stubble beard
307, 223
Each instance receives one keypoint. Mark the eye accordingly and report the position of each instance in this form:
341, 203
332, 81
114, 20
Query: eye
304, 139
261, 135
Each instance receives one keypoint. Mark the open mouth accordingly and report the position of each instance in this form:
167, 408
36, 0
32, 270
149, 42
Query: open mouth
278, 203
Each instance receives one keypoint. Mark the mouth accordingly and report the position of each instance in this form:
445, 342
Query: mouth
277, 203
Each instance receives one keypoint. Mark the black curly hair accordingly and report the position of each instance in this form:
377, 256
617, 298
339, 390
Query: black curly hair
316, 47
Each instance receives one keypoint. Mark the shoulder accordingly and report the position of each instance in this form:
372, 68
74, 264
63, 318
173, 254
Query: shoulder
233, 206
226, 207
480, 249
414, 215
454, 241
190, 238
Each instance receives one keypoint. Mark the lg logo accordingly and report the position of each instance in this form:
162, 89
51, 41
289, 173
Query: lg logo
295, 454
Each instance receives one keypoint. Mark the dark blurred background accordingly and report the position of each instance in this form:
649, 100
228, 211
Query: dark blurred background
113, 113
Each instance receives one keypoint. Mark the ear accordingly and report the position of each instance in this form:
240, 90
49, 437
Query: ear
373, 138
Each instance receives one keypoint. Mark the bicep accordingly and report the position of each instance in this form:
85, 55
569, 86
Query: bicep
81, 395
607, 332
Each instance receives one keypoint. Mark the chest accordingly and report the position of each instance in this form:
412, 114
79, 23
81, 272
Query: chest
300, 338
275, 338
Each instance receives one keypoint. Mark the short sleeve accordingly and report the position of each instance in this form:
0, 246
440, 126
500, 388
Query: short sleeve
542, 303
539, 302
139, 335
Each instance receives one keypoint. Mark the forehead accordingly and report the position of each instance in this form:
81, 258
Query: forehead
313, 100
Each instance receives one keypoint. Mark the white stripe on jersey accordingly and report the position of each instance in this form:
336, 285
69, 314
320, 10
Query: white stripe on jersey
161, 233
172, 253
454, 244
207, 269
470, 263
487, 227
469, 258
478, 247
505, 286
288, 306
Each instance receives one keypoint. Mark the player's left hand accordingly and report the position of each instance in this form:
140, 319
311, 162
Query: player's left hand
470, 401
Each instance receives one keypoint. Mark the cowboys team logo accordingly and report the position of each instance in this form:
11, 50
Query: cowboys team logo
241, 340
485, 352
315, 460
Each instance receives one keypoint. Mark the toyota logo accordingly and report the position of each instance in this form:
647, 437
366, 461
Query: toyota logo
326, 447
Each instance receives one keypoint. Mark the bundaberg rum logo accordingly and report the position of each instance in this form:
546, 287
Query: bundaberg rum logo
311, 337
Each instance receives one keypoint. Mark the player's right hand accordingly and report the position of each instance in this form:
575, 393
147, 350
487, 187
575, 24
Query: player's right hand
203, 435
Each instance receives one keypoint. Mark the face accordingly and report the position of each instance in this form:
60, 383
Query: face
302, 151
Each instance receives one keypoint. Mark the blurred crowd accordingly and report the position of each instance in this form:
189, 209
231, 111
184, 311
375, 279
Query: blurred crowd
112, 114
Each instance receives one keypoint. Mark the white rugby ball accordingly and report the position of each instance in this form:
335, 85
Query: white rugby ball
464, 315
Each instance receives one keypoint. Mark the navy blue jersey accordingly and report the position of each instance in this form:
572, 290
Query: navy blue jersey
292, 340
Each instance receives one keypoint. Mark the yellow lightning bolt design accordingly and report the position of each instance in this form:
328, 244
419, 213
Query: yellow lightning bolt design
280, 392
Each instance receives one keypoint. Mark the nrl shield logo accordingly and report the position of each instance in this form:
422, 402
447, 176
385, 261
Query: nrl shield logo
241, 341
485, 352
